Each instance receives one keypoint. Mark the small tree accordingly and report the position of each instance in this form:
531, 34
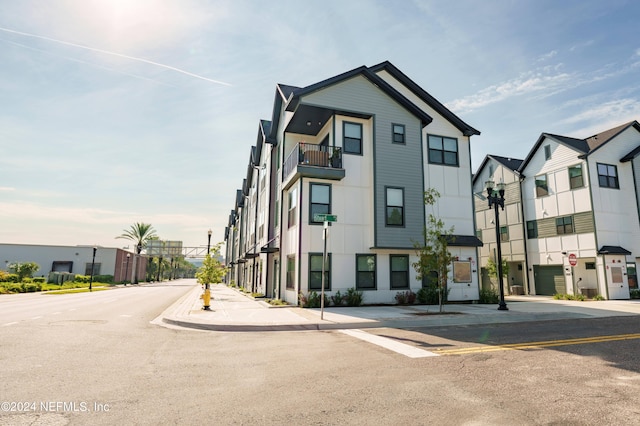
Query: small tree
434, 258
23, 269
212, 270
492, 270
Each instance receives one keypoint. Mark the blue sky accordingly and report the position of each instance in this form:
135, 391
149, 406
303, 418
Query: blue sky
123, 111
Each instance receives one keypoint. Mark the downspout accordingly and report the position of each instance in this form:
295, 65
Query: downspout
299, 235
255, 233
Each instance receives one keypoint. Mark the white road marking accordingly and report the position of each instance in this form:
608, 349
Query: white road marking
38, 317
401, 348
10, 323
56, 313
125, 316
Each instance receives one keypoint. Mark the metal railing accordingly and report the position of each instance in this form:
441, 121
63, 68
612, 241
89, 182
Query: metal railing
310, 154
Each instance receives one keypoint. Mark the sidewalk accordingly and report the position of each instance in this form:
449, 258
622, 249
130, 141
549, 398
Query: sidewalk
232, 310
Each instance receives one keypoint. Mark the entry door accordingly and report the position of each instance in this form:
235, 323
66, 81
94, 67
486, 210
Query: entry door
617, 281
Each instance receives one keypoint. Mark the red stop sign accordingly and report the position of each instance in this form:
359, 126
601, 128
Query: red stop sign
573, 260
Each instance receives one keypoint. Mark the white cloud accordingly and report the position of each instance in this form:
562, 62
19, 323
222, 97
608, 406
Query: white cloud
7, 188
547, 56
526, 83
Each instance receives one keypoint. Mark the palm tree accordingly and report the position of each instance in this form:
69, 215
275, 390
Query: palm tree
140, 233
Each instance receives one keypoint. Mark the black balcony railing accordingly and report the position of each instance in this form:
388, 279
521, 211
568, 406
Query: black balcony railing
309, 154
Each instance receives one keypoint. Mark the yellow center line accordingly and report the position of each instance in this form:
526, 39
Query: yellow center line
536, 345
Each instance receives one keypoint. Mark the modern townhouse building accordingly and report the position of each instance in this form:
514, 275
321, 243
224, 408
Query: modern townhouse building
581, 209
363, 146
512, 236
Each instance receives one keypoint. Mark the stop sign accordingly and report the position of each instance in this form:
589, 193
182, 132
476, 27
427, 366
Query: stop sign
573, 260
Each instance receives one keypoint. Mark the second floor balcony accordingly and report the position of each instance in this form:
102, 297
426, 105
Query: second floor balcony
312, 160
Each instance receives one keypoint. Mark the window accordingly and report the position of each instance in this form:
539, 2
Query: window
96, 269
293, 207
532, 229
398, 133
504, 233
575, 176
395, 207
547, 152
541, 186
608, 176
443, 150
315, 272
479, 234
352, 142
320, 200
399, 266
564, 225
291, 269
277, 214
461, 272
590, 265
366, 271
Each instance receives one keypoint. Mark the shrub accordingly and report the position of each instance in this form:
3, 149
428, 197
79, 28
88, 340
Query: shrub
82, 278
39, 280
598, 297
634, 294
29, 287
354, 297
405, 297
310, 301
580, 297
4, 276
489, 296
13, 278
558, 296
338, 299
429, 295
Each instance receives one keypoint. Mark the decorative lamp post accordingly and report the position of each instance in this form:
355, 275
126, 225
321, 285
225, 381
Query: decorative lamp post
126, 268
209, 240
496, 198
93, 263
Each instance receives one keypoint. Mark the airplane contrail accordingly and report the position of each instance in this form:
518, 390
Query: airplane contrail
106, 52
87, 63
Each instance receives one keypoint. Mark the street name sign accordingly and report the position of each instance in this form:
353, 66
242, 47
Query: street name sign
325, 218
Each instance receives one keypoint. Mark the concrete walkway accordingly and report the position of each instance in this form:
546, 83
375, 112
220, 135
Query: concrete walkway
232, 310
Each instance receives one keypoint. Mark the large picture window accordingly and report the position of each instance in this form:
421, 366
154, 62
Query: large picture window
352, 142
395, 207
320, 201
399, 266
608, 176
575, 176
532, 229
443, 150
315, 272
366, 271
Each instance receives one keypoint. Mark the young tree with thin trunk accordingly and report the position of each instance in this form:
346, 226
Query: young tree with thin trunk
434, 257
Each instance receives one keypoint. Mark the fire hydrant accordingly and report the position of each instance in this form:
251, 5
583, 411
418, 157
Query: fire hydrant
206, 298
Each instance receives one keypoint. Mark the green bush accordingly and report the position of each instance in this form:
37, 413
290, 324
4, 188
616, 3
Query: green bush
354, 297
429, 295
10, 287
598, 297
39, 280
405, 297
489, 296
30, 287
82, 278
13, 278
4, 276
634, 294
337, 299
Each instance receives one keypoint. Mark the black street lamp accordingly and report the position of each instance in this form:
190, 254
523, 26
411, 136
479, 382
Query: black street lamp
496, 198
126, 269
93, 263
209, 240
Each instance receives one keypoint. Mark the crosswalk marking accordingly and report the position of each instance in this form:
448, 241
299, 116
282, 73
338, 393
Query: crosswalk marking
401, 348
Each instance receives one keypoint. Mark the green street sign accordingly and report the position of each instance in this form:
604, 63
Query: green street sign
325, 218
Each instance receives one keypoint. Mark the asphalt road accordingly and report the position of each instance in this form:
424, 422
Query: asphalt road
97, 359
